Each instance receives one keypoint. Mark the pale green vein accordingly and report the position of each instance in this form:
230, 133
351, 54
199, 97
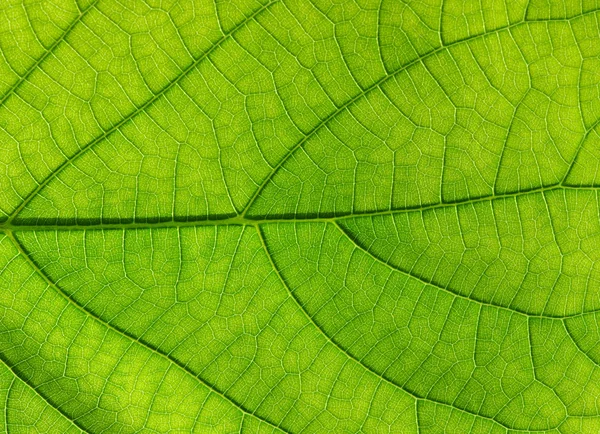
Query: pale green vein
6, 402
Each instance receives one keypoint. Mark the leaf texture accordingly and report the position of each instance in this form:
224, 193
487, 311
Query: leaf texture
275, 216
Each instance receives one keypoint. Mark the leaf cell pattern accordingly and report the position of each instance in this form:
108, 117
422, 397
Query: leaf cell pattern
299, 216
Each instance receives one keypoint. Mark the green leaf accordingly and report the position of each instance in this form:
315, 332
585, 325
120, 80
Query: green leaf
299, 216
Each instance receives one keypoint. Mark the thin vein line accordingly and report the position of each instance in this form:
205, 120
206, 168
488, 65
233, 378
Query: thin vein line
6, 403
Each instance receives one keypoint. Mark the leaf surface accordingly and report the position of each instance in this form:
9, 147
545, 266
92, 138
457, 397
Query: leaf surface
294, 216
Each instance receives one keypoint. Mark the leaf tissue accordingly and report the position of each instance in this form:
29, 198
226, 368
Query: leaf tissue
299, 216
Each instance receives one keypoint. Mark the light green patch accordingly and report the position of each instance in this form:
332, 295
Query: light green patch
299, 217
